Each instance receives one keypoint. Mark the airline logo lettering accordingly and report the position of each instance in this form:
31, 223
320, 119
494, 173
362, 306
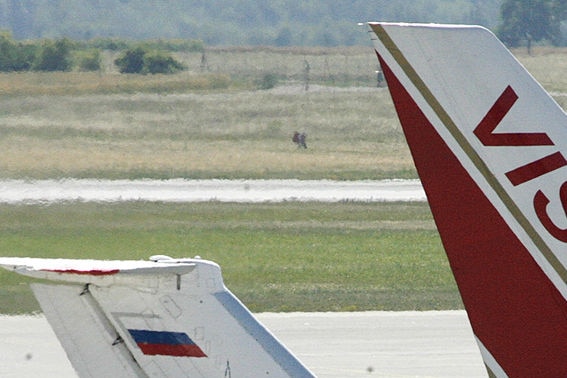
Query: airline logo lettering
163, 343
485, 134
514, 158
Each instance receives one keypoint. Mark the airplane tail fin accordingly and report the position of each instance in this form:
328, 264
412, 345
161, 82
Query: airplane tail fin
161, 318
489, 145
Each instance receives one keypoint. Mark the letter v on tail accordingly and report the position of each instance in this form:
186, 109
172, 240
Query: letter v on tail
489, 145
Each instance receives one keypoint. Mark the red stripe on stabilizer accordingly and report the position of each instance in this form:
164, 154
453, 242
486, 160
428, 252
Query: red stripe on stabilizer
181, 350
84, 272
514, 309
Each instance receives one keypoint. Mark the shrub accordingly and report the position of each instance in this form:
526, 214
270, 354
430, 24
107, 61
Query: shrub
158, 63
132, 61
139, 60
15, 56
25, 56
55, 56
89, 60
268, 81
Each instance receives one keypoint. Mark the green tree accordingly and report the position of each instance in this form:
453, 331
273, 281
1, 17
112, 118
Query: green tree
55, 56
229, 22
268, 81
15, 56
89, 60
140, 60
8, 52
531, 21
25, 56
131, 61
159, 63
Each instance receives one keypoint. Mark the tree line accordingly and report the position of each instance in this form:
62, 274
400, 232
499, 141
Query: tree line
85, 27
149, 57
528, 21
232, 22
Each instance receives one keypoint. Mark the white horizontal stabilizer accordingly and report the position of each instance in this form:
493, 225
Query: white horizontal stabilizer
98, 272
161, 318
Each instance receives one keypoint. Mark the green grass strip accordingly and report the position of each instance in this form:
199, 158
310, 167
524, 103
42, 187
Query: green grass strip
275, 257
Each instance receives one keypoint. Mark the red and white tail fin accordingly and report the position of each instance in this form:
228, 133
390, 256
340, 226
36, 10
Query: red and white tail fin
490, 147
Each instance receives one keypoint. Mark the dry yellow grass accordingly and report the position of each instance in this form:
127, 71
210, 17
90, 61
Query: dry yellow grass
352, 133
127, 126
66, 83
24, 157
547, 65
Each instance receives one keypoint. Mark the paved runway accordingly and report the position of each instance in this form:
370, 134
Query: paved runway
181, 190
332, 345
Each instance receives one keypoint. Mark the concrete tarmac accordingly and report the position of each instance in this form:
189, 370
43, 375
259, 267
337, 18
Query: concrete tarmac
332, 345
181, 190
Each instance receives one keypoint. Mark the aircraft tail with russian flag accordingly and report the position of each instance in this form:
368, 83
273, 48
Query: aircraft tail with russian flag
160, 318
490, 147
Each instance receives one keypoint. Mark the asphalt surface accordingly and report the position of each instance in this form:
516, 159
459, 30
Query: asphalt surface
332, 345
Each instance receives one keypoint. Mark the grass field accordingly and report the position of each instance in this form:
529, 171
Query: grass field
275, 257
214, 122
352, 134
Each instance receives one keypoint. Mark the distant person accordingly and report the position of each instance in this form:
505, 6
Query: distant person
299, 139
302, 143
295, 138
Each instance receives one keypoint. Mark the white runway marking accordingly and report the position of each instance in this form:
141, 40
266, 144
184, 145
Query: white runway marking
333, 345
180, 190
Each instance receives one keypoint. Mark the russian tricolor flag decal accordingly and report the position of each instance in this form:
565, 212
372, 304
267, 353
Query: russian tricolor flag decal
164, 343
